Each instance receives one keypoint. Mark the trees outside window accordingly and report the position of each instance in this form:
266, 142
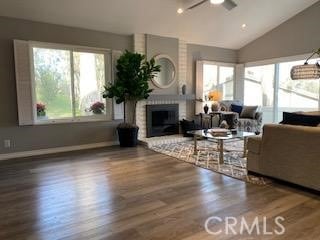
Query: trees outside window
69, 83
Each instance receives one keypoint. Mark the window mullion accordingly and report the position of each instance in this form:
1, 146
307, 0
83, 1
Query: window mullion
218, 76
319, 97
234, 83
72, 85
276, 93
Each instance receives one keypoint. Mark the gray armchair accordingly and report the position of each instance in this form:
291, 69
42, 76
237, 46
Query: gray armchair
251, 125
244, 124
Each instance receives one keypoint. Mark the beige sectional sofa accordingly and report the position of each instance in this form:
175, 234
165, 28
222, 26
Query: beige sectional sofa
287, 152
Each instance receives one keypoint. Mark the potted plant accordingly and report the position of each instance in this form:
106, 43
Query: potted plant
97, 108
131, 85
41, 110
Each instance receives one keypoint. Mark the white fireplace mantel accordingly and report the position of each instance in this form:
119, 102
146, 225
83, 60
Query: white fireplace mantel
171, 97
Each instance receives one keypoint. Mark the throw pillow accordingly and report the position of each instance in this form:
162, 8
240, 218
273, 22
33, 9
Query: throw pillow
236, 108
249, 112
225, 105
300, 119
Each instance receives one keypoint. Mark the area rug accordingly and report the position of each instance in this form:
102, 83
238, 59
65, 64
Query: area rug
207, 157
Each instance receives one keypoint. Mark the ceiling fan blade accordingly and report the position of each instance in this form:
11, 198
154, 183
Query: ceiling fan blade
196, 4
229, 4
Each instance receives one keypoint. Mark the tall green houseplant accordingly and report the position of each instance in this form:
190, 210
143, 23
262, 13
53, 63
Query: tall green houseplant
131, 85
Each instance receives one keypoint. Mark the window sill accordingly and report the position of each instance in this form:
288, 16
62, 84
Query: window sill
67, 120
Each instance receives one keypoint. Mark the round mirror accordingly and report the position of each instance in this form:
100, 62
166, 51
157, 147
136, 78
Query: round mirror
166, 77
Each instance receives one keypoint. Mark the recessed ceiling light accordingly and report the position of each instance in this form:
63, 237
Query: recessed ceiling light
180, 10
216, 1
244, 25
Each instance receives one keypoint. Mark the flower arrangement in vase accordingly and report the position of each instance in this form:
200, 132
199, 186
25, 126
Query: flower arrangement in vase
97, 108
41, 110
215, 96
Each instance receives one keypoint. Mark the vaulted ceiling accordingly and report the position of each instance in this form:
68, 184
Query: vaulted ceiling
208, 24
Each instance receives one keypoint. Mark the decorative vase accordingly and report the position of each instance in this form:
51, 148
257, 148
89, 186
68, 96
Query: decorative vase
184, 89
215, 107
206, 109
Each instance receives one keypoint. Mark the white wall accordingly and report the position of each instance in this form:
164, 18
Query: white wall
298, 35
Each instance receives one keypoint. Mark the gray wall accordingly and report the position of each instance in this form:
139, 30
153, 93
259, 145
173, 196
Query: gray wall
156, 45
38, 137
199, 52
28, 138
163, 45
298, 35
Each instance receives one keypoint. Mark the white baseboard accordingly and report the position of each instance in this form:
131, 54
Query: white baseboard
7, 156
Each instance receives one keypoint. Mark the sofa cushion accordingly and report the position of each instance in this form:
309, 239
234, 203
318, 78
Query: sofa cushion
300, 119
249, 112
236, 108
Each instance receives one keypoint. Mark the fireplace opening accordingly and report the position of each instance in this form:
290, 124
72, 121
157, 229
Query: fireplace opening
162, 120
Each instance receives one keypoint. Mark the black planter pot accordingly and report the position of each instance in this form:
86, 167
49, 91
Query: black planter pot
128, 137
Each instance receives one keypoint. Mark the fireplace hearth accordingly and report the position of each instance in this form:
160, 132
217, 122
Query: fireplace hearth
162, 119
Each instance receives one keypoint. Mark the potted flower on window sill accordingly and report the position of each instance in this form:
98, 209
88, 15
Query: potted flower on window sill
41, 110
131, 85
97, 108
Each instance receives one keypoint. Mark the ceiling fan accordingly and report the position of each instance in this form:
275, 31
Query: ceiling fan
228, 4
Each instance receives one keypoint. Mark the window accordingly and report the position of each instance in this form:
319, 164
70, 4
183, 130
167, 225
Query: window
271, 87
89, 80
210, 79
297, 95
218, 76
226, 77
259, 89
52, 76
68, 84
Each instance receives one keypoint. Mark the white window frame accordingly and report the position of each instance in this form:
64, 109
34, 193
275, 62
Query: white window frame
72, 48
199, 81
222, 64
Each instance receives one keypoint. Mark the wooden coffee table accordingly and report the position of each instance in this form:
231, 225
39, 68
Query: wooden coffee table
220, 140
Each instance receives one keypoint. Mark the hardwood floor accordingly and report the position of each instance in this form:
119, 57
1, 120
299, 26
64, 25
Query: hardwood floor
114, 193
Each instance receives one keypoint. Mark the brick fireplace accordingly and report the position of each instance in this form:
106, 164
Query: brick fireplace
162, 119
141, 112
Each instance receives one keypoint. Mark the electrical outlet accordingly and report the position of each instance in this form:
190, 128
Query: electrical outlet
7, 143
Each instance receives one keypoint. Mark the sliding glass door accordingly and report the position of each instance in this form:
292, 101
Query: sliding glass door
297, 95
259, 89
271, 87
